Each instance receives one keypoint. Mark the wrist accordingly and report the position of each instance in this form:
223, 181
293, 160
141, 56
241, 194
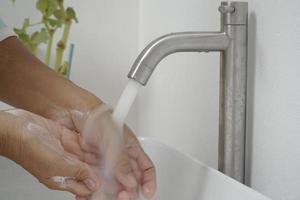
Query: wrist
71, 97
9, 139
78, 103
84, 102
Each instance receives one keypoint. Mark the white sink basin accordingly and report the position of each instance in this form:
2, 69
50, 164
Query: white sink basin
179, 178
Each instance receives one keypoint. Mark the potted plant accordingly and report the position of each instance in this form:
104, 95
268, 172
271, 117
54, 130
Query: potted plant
54, 17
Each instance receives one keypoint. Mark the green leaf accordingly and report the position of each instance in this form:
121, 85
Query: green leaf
58, 14
26, 23
47, 7
71, 13
34, 35
55, 22
19, 31
39, 37
24, 37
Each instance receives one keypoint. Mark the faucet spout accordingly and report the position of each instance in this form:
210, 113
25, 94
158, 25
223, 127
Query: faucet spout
168, 44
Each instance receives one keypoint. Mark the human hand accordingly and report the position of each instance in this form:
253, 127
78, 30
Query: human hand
132, 160
104, 140
50, 152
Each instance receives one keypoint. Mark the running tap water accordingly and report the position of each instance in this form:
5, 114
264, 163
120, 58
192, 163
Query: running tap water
125, 102
105, 130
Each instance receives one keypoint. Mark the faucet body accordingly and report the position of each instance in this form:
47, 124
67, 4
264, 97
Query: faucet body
231, 41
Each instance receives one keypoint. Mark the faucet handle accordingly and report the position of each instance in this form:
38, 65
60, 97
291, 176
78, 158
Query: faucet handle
234, 12
226, 9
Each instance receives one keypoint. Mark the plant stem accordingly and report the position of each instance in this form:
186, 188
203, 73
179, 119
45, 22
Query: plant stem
49, 47
62, 8
61, 45
50, 42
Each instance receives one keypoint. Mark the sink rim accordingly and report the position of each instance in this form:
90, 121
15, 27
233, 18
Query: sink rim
152, 141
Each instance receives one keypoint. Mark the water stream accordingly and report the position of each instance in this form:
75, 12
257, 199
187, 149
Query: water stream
125, 102
111, 142
123, 106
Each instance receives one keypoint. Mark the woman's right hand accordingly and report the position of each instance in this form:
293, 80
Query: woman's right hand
113, 153
47, 150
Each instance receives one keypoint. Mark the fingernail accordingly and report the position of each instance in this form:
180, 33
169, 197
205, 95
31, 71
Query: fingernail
123, 196
91, 184
131, 180
147, 190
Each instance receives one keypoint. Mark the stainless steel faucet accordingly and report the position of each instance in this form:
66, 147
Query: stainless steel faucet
231, 41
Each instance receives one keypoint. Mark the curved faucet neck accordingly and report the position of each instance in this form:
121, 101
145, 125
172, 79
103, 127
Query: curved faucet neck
158, 49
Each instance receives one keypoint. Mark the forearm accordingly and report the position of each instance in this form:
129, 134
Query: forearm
27, 83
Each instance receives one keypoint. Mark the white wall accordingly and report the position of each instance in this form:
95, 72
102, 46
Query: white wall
179, 106
274, 98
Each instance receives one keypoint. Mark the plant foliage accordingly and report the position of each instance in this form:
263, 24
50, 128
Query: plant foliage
54, 17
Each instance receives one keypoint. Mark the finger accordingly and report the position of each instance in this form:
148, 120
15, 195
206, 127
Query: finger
149, 183
136, 152
81, 198
123, 195
127, 194
136, 170
67, 184
70, 142
88, 142
78, 188
124, 173
149, 174
71, 167
67, 165
91, 158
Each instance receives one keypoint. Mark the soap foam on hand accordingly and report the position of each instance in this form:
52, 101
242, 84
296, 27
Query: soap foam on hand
103, 133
